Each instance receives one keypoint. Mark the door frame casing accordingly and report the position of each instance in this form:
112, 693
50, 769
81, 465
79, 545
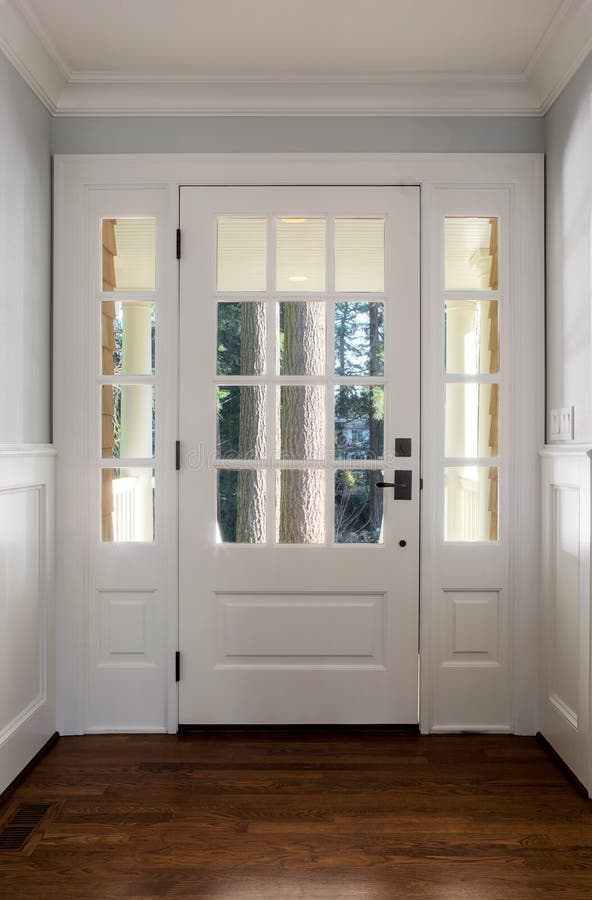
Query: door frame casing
77, 177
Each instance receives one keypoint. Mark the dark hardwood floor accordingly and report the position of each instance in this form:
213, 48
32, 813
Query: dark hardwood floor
317, 816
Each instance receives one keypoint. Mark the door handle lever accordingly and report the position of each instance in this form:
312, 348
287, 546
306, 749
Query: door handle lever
401, 484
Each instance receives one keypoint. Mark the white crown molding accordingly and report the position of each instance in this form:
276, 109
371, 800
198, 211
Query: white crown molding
561, 50
21, 43
322, 97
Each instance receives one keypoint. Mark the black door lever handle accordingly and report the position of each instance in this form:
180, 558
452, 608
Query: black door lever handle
401, 484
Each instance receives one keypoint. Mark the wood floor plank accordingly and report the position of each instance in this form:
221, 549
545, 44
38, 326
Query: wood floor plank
279, 816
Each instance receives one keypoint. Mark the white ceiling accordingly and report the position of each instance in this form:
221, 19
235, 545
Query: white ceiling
296, 56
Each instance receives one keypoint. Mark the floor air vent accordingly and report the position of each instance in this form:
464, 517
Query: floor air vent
15, 833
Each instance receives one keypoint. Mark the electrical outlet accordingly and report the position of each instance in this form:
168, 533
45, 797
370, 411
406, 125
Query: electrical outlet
562, 424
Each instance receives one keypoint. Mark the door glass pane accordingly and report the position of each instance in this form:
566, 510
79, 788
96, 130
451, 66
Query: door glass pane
300, 255
241, 339
471, 257
359, 255
127, 505
471, 503
359, 507
128, 337
301, 506
241, 422
302, 422
241, 506
359, 338
129, 257
127, 421
472, 340
242, 254
302, 338
359, 422
472, 420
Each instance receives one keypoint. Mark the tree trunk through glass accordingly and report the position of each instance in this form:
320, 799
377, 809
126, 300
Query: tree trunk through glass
250, 512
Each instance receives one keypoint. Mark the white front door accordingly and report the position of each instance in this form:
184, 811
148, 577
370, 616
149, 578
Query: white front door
299, 376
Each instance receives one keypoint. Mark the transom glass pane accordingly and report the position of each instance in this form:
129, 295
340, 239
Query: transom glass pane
129, 255
359, 338
300, 255
472, 420
128, 337
127, 505
301, 506
359, 507
241, 506
471, 503
241, 254
472, 338
241, 338
359, 255
359, 422
127, 421
302, 338
471, 254
241, 422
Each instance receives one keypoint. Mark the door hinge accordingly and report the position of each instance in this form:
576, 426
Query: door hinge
177, 455
421, 484
177, 666
178, 243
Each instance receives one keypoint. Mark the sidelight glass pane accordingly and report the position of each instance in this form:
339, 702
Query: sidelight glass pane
471, 503
302, 422
359, 507
300, 255
241, 498
472, 339
471, 256
127, 421
302, 338
241, 339
127, 505
359, 255
359, 338
128, 337
359, 422
472, 420
241, 254
241, 422
300, 506
129, 255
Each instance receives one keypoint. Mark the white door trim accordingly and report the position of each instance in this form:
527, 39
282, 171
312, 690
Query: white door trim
521, 175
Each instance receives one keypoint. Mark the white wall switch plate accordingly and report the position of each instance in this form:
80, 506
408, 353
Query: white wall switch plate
562, 424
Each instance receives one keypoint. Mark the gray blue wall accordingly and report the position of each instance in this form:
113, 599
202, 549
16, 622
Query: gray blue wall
413, 134
25, 270
568, 130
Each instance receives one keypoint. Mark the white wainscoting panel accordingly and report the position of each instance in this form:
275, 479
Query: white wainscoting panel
565, 632
27, 663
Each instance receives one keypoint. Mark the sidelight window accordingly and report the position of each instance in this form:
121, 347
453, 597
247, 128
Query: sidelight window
473, 372
126, 375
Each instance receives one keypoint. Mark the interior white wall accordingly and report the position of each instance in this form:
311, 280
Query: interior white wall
568, 129
25, 262
298, 134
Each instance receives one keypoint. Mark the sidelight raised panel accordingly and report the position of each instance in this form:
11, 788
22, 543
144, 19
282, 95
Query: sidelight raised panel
126, 626
473, 627
305, 630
